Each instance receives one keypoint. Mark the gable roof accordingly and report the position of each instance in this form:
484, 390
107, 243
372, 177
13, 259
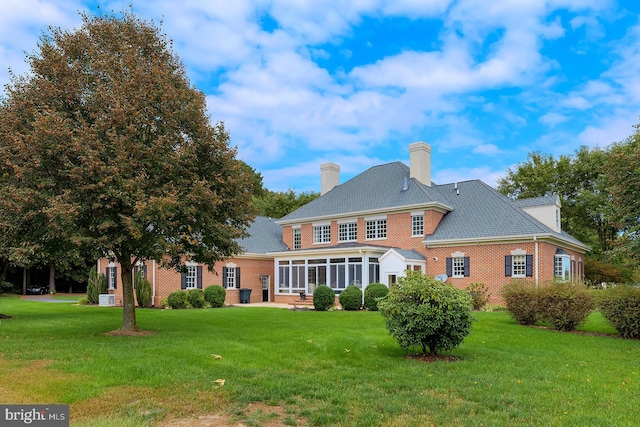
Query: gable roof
264, 236
379, 188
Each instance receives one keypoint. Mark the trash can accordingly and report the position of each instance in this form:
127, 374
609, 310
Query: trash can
245, 295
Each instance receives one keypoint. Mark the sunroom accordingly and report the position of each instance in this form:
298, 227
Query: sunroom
301, 271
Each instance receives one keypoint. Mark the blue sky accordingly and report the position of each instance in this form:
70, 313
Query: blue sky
299, 83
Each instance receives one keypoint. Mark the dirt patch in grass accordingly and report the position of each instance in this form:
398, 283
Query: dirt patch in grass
429, 358
253, 414
32, 381
121, 333
4, 316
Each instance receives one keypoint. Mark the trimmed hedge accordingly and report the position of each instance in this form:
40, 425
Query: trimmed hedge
521, 298
215, 295
621, 307
195, 297
323, 298
372, 293
564, 305
422, 311
351, 298
177, 299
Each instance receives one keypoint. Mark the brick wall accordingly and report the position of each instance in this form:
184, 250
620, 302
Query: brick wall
167, 281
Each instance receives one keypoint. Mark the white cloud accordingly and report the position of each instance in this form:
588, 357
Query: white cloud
483, 173
614, 128
552, 119
487, 149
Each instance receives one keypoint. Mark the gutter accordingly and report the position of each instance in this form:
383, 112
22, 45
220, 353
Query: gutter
153, 283
537, 256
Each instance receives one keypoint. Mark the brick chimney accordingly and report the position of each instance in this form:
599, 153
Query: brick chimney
420, 162
329, 177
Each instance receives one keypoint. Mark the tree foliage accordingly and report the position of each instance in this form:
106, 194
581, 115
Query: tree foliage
105, 145
276, 204
623, 178
580, 182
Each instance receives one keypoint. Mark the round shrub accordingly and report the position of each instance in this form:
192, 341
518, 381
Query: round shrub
565, 305
351, 298
422, 311
372, 293
195, 297
177, 299
621, 307
323, 298
521, 299
215, 295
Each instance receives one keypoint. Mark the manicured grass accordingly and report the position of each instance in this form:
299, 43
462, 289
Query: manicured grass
321, 368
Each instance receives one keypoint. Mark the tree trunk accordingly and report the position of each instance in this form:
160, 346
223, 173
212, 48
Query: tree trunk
52, 278
129, 307
24, 281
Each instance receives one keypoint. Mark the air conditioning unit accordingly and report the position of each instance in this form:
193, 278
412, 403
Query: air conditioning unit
107, 300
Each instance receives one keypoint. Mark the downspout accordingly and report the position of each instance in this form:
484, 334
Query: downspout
153, 283
537, 256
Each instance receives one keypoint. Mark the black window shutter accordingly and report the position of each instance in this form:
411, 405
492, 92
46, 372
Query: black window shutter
144, 271
466, 266
199, 276
507, 266
224, 277
449, 267
183, 281
107, 276
529, 265
115, 278
237, 277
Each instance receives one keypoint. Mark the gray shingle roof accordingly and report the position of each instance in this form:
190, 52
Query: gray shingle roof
379, 187
264, 236
536, 201
480, 211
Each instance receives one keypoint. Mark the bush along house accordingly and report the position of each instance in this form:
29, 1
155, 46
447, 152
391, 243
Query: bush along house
384, 221
253, 269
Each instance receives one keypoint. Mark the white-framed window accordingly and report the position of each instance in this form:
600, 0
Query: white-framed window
190, 277
519, 266
417, 225
376, 228
562, 268
230, 278
458, 266
322, 233
347, 232
112, 276
297, 239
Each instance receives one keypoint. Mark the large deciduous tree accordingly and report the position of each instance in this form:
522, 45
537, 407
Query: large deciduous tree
580, 182
623, 174
277, 204
107, 146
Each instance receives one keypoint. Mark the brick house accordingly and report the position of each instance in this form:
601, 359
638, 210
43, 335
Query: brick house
386, 220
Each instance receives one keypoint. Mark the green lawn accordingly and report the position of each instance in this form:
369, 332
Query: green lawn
317, 368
